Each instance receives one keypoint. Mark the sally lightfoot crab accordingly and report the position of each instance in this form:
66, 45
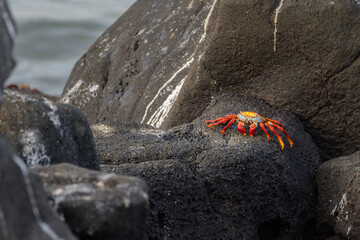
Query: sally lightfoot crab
253, 119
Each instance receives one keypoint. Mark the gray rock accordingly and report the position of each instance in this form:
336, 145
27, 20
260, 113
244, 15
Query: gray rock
7, 34
164, 68
97, 205
338, 193
24, 211
204, 185
43, 132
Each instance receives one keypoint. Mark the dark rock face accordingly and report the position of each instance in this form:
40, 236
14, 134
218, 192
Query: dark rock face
338, 193
97, 205
211, 186
164, 68
24, 211
43, 132
7, 34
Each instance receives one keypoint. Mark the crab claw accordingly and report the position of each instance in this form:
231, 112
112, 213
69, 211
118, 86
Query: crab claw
252, 129
240, 128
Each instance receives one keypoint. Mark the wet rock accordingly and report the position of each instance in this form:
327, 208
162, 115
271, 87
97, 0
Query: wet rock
338, 193
97, 205
43, 132
164, 68
7, 35
24, 211
205, 185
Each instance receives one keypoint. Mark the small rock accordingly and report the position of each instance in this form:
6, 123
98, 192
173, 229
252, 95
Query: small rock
43, 132
24, 211
97, 205
339, 200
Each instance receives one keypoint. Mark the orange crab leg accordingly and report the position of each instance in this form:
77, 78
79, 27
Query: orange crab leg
269, 124
274, 121
212, 121
286, 134
262, 125
224, 120
227, 126
240, 128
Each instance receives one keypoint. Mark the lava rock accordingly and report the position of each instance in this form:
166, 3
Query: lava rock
24, 211
219, 187
338, 193
43, 132
97, 205
7, 35
165, 67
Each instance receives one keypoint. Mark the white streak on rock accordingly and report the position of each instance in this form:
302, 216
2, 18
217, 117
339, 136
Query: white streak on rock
348, 230
343, 203
34, 149
93, 88
206, 23
159, 116
53, 116
277, 11
30, 191
186, 65
69, 94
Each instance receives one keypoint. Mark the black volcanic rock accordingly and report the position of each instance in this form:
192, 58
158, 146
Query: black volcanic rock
204, 185
43, 132
97, 205
162, 63
338, 193
24, 211
7, 34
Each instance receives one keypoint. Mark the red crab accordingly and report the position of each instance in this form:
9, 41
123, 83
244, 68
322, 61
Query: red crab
253, 119
23, 87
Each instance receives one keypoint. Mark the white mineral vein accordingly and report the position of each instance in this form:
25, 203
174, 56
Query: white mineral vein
186, 65
277, 11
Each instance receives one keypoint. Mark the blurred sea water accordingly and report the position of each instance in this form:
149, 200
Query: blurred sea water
54, 34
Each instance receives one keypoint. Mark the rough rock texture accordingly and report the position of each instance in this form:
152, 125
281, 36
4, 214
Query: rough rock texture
97, 205
43, 132
7, 34
339, 200
24, 211
207, 186
162, 64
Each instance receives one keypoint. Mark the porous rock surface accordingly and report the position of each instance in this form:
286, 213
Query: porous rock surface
43, 132
7, 34
161, 64
97, 205
24, 211
204, 185
338, 193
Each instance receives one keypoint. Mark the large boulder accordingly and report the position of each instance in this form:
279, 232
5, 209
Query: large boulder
24, 211
205, 185
7, 35
97, 205
43, 132
338, 193
164, 67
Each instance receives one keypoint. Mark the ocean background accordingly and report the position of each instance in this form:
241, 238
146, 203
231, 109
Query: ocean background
54, 34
